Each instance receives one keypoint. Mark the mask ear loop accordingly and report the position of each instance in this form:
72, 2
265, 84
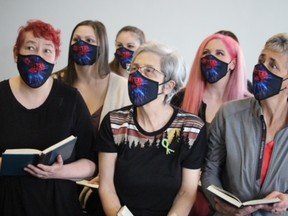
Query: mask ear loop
163, 86
284, 87
231, 70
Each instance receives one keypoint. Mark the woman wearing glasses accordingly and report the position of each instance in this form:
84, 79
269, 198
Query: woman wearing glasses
150, 153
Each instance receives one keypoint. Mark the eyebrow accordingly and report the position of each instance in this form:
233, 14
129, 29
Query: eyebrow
220, 50
30, 41
84, 36
35, 43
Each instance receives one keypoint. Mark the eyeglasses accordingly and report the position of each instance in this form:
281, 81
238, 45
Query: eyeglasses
145, 70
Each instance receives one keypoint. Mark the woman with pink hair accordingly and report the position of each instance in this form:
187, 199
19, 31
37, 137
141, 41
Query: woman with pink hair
218, 75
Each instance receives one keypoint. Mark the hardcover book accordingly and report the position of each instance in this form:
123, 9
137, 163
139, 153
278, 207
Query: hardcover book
14, 160
232, 199
87, 183
124, 211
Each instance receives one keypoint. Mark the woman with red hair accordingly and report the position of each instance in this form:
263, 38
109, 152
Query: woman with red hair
38, 111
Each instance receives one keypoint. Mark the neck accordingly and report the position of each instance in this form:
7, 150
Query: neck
123, 72
30, 97
152, 117
34, 91
217, 90
275, 109
214, 92
87, 72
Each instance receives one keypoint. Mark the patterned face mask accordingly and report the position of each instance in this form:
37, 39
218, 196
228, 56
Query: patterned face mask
84, 53
34, 70
213, 69
265, 83
124, 57
141, 89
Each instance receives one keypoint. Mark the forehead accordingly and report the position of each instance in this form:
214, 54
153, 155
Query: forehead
84, 31
215, 44
30, 38
127, 36
148, 58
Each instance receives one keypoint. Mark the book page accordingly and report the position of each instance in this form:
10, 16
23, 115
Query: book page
262, 201
55, 146
22, 151
232, 199
87, 183
226, 192
225, 195
124, 211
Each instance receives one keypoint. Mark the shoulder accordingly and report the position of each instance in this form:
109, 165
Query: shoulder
4, 88
117, 84
4, 84
123, 111
236, 110
61, 86
177, 99
64, 90
189, 119
120, 116
237, 106
117, 78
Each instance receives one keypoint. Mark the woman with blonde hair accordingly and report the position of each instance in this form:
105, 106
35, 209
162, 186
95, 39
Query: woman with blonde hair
127, 41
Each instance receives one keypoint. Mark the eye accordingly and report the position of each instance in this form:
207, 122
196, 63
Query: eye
48, 51
131, 47
133, 69
273, 66
74, 40
29, 47
118, 45
205, 52
148, 70
220, 53
90, 41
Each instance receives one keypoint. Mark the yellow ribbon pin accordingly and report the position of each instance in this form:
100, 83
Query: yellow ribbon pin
165, 143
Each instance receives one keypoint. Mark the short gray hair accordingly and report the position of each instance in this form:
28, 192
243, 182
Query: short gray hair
278, 43
172, 64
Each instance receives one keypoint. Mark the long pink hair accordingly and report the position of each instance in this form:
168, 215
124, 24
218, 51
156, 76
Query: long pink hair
236, 87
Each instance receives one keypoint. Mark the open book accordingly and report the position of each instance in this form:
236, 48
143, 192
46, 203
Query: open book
88, 184
232, 199
124, 211
14, 160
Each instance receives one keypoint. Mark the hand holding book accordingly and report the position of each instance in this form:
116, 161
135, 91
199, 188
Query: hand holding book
233, 200
14, 160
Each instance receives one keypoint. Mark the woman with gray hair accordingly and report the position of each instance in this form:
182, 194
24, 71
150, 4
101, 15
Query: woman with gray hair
150, 153
248, 148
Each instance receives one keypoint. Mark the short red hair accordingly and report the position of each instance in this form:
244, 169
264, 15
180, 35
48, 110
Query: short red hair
39, 29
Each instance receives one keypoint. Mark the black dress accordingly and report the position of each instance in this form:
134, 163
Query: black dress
62, 114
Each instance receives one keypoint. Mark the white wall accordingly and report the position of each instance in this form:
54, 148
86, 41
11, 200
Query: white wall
181, 24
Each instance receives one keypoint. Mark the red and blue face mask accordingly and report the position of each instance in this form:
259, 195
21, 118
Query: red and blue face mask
84, 53
34, 70
124, 56
141, 89
265, 84
213, 69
